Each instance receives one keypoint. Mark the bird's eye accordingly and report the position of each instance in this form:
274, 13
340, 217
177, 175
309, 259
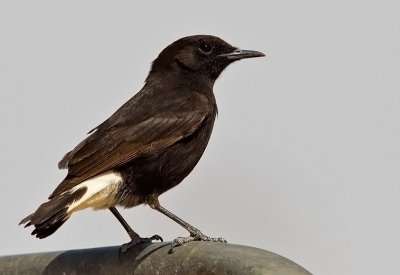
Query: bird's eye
205, 47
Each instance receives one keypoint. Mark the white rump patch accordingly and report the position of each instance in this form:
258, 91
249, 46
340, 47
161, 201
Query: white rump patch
101, 192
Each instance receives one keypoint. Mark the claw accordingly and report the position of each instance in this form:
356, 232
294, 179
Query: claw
125, 247
195, 237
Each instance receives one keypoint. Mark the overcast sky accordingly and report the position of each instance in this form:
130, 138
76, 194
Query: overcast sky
304, 158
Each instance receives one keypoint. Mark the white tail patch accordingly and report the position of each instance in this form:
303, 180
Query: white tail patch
101, 192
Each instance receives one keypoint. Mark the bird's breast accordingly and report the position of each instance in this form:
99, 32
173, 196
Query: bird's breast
160, 171
180, 159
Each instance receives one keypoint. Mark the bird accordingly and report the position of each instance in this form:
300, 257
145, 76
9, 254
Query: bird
149, 145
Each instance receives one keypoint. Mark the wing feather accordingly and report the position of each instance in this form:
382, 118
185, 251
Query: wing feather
106, 149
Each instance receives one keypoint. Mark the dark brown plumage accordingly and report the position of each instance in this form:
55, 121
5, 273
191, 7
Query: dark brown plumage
150, 144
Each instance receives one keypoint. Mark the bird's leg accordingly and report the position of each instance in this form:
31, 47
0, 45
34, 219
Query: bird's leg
128, 229
195, 234
135, 238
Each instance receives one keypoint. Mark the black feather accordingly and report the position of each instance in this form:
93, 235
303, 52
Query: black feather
52, 214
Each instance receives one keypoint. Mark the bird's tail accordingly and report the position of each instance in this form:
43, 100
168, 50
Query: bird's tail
52, 214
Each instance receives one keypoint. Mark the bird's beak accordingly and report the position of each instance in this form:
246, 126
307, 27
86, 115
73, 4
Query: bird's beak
241, 54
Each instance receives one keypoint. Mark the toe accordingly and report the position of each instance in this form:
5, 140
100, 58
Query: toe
125, 247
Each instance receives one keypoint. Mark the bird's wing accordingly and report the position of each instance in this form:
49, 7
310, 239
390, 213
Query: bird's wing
106, 149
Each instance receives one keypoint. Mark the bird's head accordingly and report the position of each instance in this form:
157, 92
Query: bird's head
200, 56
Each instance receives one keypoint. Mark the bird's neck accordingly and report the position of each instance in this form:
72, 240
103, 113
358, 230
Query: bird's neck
179, 79
183, 82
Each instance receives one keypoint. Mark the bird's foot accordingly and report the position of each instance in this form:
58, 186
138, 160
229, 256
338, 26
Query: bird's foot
194, 236
138, 240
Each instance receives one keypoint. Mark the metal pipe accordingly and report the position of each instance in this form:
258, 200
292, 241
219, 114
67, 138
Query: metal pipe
190, 258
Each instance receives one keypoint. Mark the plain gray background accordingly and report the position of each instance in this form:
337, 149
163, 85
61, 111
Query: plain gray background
304, 157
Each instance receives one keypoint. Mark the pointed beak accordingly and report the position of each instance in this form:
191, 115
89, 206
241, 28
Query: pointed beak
238, 54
